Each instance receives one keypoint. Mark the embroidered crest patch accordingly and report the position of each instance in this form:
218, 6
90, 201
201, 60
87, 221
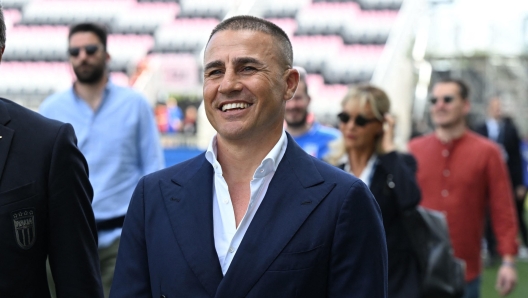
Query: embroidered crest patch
24, 224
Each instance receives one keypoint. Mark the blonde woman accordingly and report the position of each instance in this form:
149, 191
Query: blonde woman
366, 150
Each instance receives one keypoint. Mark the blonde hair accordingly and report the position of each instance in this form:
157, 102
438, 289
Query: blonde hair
363, 94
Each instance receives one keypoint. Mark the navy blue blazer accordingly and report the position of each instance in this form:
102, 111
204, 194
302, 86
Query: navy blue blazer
317, 233
45, 209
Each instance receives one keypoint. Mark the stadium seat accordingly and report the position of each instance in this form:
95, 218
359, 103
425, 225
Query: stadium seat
36, 43
119, 78
369, 27
11, 17
204, 8
352, 64
380, 4
34, 77
144, 18
64, 12
126, 50
184, 35
326, 18
312, 52
281, 8
16, 4
178, 72
287, 24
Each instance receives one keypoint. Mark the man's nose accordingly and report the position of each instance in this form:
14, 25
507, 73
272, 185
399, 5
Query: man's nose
230, 82
440, 103
82, 55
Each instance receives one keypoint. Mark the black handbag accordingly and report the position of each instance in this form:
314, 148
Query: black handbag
443, 273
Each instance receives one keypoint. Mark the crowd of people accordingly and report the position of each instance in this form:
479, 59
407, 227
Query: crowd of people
277, 206
171, 119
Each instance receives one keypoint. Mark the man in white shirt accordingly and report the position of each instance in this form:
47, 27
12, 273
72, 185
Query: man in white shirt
254, 216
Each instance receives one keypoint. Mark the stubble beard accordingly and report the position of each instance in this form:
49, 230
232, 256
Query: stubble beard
451, 124
300, 123
91, 77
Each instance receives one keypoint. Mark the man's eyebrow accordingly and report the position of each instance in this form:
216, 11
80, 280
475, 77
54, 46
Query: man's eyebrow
247, 60
236, 61
214, 64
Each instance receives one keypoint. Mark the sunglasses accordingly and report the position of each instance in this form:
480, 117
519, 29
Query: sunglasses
446, 99
89, 50
359, 120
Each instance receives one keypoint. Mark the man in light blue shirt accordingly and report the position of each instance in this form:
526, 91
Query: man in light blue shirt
309, 134
116, 133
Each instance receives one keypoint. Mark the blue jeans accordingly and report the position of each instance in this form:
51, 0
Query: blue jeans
472, 289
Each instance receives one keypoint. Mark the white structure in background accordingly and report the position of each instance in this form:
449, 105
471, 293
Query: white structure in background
488, 39
470, 27
394, 72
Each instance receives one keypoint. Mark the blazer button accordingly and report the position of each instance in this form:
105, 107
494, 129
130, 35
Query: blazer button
163, 296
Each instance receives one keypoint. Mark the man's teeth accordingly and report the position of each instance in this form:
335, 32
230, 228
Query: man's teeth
238, 105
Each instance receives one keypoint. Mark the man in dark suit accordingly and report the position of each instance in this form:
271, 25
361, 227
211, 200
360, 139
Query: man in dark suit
45, 206
502, 130
254, 216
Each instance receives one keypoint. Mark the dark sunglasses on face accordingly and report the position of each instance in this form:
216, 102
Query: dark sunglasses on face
446, 99
89, 49
359, 120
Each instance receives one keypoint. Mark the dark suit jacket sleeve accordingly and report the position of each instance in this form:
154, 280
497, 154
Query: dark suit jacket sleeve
358, 267
72, 243
513, 148
131, 277
401, 169
482, 129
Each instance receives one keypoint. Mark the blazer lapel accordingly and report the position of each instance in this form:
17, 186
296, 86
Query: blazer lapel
6, 135
189, 202
294, 192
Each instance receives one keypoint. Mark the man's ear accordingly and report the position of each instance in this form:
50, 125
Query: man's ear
467, 106
292, 80
1, 53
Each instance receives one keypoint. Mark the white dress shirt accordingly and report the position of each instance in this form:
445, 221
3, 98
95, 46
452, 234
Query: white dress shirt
493, 129
227, 236
368, 171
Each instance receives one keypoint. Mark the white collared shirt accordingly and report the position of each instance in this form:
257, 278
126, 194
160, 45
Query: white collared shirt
493, 129
227, 236
368, 171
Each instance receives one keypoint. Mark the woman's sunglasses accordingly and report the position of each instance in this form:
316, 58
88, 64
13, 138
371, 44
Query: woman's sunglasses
89, 49
359, 120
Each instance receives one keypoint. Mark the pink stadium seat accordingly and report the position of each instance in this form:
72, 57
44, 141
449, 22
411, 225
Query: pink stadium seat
288, 25
36, 43
145, 17
67, 12
11, 17
143, 42
119, 78
178, 71
185, 34
314, 80
349, 7
35, 77
155, 8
